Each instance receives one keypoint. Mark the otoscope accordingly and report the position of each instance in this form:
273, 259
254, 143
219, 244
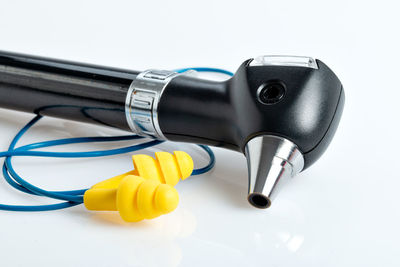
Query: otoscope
281, 112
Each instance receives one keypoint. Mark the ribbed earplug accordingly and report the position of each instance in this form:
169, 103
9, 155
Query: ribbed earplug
134, 197
167, 168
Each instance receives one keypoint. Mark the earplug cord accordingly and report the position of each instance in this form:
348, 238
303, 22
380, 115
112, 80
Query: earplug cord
74, 197
201, 69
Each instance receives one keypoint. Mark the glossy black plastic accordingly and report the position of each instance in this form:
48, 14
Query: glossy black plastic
229, 113
64, 89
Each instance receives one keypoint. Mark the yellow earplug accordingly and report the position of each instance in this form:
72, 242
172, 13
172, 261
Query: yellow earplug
134, 197
147, 191
167, 168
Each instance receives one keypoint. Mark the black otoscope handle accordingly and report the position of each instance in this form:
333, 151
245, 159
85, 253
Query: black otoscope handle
225, 114
64, 89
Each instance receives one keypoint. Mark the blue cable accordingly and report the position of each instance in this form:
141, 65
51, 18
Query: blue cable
74, 197
202, 69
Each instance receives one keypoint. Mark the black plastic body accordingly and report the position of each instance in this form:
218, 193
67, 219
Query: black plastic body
64, 89
226, 114
229, 114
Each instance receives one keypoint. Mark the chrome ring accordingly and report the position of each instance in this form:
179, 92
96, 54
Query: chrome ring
143, 97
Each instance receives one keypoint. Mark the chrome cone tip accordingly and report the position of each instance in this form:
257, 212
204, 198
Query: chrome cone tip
271, 162
259, 200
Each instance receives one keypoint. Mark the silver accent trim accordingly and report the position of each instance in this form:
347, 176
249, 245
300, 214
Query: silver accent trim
293, 61
142, 99
271, 160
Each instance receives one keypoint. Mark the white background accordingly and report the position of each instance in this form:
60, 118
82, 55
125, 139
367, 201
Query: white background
344, 211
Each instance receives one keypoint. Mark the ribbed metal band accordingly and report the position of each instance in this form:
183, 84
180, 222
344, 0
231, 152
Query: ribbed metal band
143, 97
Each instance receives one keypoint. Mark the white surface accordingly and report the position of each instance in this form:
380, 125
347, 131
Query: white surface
341, 212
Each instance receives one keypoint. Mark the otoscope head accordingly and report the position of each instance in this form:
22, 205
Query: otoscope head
290, 108
281, 112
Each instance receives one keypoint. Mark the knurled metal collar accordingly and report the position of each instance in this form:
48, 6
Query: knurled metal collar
143, 97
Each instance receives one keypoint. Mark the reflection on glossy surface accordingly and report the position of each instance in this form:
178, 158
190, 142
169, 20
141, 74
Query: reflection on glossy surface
308, 225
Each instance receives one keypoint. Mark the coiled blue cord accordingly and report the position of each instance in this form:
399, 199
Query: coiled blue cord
72, 198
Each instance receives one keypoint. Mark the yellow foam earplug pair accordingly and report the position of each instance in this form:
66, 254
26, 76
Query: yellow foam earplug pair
147, 191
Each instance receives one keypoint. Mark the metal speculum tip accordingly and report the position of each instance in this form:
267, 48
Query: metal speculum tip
271, 161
